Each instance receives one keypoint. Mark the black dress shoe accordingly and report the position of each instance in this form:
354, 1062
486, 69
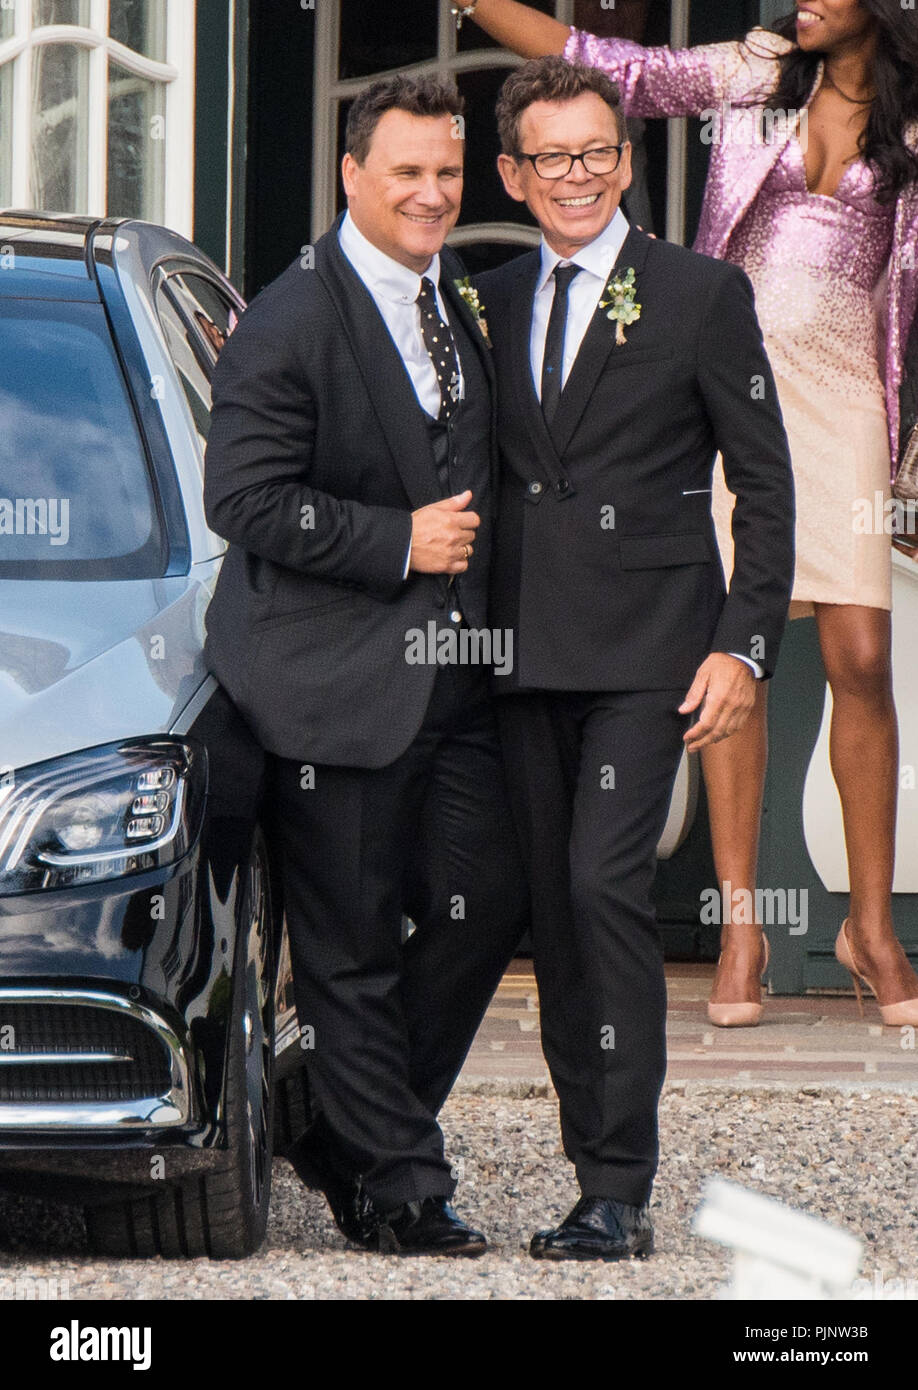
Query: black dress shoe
599, 1228
317, 1167
429, 1227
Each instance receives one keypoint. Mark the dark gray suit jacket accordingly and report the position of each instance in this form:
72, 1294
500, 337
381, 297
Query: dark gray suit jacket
606, 565
314, 409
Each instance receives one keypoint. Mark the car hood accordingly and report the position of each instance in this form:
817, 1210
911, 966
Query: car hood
88, 663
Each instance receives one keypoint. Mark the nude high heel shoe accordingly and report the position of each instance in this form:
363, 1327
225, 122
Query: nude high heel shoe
893, 1015
741, 1015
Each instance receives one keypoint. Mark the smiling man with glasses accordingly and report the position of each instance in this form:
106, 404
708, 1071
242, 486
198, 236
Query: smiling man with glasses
623, 365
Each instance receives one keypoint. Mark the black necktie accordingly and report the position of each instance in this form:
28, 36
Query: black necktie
553, 360
441, 349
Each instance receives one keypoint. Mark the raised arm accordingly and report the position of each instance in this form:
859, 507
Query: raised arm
654, 81
519, 27
661, 81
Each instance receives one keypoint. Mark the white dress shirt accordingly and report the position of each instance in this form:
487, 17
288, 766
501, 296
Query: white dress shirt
596, 261
395, 289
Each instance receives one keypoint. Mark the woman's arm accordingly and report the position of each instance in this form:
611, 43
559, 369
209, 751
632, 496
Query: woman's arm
519, 28
661, 81
654, 81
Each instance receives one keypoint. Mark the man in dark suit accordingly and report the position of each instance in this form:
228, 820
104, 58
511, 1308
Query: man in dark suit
350, 466
623, 365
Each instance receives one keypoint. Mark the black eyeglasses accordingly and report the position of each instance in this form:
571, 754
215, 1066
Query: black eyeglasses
555, 164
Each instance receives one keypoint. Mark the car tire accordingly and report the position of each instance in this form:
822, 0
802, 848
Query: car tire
223, 1213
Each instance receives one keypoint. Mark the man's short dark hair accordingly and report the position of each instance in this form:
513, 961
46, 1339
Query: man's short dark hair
419, 96
551, 79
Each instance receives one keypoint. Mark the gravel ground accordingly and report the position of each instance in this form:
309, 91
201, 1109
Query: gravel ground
851, 1158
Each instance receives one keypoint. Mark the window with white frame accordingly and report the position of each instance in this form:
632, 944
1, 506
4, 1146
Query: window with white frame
97, 107
356, 44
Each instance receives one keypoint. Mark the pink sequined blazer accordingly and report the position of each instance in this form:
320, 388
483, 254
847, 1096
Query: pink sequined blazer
728, 78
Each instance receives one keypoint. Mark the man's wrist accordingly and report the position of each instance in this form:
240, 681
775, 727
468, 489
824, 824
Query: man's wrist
754, 666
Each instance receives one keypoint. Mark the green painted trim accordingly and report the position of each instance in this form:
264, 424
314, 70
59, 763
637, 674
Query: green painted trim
242, 48
279, 164
796, 699
210, 133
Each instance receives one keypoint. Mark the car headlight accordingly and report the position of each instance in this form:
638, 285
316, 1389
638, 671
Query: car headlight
105, 813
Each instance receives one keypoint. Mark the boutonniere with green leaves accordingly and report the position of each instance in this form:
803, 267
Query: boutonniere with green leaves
620, 306
470, 295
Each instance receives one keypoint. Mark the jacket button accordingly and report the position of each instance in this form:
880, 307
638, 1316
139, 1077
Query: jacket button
534, 489
455, 616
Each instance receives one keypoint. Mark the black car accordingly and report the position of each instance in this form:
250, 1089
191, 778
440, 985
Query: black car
145, 993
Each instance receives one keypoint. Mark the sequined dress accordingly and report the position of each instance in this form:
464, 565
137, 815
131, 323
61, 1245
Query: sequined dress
814, 262
817, 265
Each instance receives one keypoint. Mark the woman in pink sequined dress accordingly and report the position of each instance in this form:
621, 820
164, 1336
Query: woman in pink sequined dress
813, 190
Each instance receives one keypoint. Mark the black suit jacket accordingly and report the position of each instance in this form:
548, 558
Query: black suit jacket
606, 565
317, 455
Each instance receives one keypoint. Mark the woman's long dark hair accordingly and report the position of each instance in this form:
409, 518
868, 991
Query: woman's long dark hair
896, 102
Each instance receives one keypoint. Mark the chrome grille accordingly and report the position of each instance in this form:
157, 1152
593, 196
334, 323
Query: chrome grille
66, 1052
76, 1059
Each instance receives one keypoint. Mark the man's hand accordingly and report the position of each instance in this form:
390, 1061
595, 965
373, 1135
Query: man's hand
442, 536
724, 687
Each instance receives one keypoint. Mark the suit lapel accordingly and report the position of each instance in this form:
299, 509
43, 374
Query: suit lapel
450, 268
521, 302
598, 343
753, 162
384, 375
449, 273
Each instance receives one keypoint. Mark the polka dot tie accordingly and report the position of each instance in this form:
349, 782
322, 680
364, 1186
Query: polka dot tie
441, 349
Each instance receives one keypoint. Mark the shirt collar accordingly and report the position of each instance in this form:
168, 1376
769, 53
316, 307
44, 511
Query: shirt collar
386, 277
598, 256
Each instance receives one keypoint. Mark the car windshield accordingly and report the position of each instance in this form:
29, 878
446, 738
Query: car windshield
75, 494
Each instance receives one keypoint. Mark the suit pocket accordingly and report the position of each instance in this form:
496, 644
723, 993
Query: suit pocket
622, 356
302, 614
661, 552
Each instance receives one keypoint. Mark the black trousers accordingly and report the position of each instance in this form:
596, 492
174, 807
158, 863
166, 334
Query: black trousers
430, 836
590, 779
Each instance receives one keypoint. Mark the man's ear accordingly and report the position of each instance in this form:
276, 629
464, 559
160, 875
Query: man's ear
624, 166
510, 173
349, 167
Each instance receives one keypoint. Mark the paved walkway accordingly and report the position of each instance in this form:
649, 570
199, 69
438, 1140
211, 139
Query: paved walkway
815, 1040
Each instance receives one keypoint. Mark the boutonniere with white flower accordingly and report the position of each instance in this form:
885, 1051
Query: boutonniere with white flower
620, 305
469, 293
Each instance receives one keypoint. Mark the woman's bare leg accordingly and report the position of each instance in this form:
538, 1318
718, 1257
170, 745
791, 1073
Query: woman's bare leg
734, 776
864, 752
